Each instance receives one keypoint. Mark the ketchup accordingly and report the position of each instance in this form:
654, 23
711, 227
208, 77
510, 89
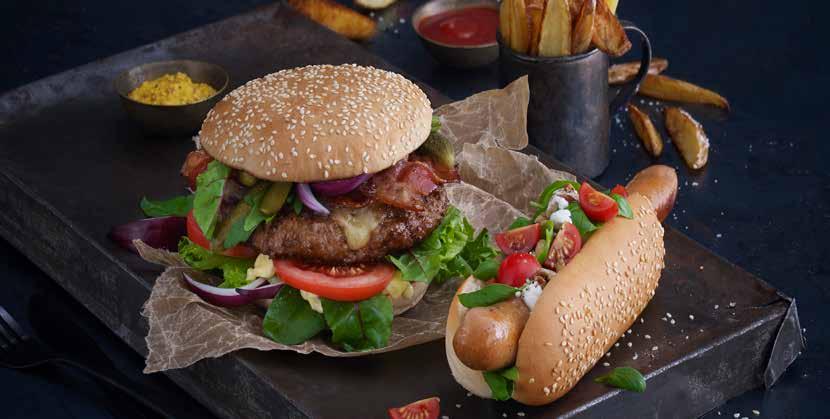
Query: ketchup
463, 27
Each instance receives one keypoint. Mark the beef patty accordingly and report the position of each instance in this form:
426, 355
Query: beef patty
320, 239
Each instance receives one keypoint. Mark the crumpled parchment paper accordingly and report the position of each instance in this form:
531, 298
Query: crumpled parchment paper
498, 184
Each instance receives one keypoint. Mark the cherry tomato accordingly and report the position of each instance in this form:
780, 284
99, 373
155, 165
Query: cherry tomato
597, 205
565, 246
340, 283
620, 190
194, 233
517, 268
422, 409
195, 163
521, 239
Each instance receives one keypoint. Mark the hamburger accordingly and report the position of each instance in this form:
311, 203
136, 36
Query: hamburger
330, 181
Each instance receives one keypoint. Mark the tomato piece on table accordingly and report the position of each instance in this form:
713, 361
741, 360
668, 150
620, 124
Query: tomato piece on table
597, 205
515, 269
194, 233
620, 190
422, 409
339, 283
518, 240
565, 246
194, 164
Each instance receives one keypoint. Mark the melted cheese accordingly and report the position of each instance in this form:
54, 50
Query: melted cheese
357, 225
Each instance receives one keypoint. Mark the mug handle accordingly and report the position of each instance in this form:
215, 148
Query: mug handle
628, 89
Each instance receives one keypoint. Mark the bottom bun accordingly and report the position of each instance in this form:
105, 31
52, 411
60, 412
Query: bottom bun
469, 378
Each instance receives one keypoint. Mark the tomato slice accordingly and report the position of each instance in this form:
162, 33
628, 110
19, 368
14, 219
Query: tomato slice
597, 205
340, 283
620, 190
517, 268
565, 246
422, 409
195, 163
194, 233
517, 240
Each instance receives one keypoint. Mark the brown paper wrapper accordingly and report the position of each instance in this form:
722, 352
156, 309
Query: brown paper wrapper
498, 184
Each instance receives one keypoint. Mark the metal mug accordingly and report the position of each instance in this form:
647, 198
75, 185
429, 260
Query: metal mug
569, 114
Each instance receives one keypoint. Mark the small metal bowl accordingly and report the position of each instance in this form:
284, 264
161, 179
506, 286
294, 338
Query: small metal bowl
170, 120
456, 55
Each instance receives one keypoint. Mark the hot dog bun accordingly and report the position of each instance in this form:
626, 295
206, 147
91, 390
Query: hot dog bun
658, 183
582, 311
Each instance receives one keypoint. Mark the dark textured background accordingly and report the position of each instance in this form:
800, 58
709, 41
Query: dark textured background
761, 203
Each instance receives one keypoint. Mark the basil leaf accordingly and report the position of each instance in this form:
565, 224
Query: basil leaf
501, 382
487, 296
209, 187
625, 208
233, 269
178, 206
487, 269
542, 253
359, 325
544, 198
455, 268
290, 319
519, 222
479, 250
581, 221
625, 378
511, 373
424, 261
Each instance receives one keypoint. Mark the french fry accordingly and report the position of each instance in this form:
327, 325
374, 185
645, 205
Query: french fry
667, 88
519, 30
609, 35
535, 11
688, 136
555, 40
646, 131
336, 17
612, 5
504, 20
625, 72
584, 27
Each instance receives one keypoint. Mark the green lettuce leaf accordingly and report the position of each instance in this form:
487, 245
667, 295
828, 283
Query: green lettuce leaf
358, 326
290, 319
178, 206
233, 269
209, 187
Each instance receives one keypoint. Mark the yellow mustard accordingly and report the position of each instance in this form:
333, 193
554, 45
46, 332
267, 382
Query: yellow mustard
172, 89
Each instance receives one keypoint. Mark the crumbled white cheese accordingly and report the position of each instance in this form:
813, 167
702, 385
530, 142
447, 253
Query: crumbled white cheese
531, 294
263, 268
561, 217
313, 301
561, 203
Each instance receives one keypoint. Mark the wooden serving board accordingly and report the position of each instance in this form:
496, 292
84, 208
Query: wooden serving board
72, 166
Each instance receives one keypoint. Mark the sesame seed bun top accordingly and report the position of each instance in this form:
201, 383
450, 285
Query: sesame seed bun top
319, 122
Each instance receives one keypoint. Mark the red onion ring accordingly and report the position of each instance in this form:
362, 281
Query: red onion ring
341, 186
230, 297
309, 200
159, 232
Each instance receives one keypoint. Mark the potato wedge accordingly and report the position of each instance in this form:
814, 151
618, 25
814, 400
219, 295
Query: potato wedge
612, 5
625, 72
519, 29
667, 88
609, 35
337, 17
646, 131
584, 27
555, 40
688, 136
575, 6
505, 16
374, 4
535, 12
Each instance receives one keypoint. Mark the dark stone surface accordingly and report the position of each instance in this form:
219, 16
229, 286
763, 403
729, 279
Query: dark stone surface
764, 190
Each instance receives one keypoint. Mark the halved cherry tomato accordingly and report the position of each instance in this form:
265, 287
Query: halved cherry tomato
620, 190
517, 268
597, 205
194, 233
195, 163
565, 246
340, 283
521, 239
422, 409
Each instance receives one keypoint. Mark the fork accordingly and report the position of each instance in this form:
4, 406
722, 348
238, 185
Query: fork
19, 350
